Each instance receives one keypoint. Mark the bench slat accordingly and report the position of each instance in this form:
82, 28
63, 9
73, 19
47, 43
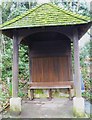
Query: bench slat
51, 84
36, 87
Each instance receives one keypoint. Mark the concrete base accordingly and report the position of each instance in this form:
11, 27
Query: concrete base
15, 106
78, 107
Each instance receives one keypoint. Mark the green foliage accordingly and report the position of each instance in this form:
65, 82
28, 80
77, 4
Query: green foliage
84, 60
23, 62
21, 94
6, 10
38, 91
10, 10
16, 12
85, 65
7, 59
83, 9
87, 95
79, 6
4, 96
10, 89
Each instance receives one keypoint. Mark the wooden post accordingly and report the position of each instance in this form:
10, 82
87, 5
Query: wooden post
77, 64
78, 101
15, 66
50, 94
32, 94
15, 101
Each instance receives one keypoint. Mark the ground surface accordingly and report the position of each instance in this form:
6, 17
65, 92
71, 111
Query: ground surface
44, 108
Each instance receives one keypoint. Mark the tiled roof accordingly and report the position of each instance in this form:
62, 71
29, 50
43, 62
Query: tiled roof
45, 15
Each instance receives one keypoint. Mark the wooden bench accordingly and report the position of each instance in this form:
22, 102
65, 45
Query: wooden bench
50, 86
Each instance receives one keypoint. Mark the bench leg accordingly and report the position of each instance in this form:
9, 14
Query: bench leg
50, 94
29, 94
69, 91
32, 94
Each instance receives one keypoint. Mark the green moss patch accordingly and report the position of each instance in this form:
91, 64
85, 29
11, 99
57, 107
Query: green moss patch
45, 15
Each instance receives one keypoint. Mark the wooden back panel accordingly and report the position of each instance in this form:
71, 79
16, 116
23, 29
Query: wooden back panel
51, 58
51, 69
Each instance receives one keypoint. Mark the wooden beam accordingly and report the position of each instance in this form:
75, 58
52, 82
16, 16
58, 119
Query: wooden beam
15, 65
77, 64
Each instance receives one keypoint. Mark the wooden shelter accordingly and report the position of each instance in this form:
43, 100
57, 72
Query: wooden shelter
48, 31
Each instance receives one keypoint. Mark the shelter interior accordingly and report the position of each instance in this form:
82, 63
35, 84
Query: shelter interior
50, 54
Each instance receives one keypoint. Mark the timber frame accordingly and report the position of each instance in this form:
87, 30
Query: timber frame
44, 31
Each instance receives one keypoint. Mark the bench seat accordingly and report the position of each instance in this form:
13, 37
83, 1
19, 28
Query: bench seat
50, 86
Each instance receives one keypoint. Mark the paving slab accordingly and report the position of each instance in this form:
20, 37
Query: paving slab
44, 108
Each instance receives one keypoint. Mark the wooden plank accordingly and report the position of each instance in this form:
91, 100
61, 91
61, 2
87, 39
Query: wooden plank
51, 84
50, 69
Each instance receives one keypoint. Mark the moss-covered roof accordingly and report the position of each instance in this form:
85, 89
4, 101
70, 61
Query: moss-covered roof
45, 15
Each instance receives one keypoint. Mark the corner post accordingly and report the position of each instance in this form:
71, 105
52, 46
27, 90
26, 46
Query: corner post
15, 66
15, 101
78, 101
